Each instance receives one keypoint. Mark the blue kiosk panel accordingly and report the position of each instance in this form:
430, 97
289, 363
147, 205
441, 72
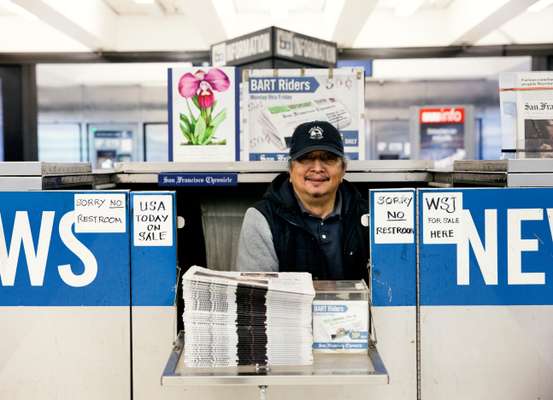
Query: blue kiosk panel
490, 246
64, 249
393, 247
154, 248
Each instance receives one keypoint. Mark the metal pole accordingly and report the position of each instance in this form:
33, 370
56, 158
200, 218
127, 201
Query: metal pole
262, 392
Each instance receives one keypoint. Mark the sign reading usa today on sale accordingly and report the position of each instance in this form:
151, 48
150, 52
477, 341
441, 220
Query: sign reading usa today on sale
276, 101
64, 248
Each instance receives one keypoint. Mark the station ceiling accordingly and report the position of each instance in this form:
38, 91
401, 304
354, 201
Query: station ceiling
186, 25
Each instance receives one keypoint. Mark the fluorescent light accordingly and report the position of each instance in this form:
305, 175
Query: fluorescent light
405, 8
540, 5
18, 10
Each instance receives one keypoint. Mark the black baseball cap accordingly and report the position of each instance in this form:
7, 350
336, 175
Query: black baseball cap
315, 135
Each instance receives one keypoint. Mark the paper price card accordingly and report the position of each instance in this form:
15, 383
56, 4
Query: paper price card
153, 220
393, 217
441, 213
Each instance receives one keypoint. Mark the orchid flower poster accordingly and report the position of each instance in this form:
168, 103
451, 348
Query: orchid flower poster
203, 114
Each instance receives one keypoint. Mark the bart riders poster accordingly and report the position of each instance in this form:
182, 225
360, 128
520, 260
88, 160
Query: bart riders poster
276, 101
202, 103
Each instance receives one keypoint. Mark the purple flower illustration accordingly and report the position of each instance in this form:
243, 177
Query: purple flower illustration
200, 87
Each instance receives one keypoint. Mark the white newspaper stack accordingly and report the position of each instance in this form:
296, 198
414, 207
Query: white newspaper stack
247, 318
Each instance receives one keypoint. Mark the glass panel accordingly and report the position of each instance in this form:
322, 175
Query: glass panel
155, 141
113, 142
391, 139
59, 142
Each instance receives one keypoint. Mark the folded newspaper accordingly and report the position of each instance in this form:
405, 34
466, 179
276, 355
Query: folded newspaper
279, 121
527, 113
247, 318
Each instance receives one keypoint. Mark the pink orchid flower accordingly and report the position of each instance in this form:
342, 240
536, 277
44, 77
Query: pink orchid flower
202, 85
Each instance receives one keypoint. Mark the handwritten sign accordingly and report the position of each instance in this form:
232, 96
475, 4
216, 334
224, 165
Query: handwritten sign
393, 217
441, 213
100, 213
153, 220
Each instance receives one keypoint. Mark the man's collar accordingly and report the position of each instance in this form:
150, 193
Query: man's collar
337, 205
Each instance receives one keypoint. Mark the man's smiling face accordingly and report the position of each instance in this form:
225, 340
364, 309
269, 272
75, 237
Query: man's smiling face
317, 174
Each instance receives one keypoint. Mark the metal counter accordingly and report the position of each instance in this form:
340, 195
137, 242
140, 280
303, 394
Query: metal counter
327, 369
265, 171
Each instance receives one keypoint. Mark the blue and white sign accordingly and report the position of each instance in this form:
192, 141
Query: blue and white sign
172, 179
283, 85
393, 247
486, 246
45, 260
276, 101
154, 248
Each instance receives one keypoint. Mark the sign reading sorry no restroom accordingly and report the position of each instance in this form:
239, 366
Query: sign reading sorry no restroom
394, 220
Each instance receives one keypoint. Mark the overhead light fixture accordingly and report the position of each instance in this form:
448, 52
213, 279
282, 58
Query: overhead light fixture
18, 10
405, 8
540, 5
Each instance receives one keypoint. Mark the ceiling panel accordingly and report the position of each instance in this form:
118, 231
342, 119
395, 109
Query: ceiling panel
18, 34
527, 28
314, 18
265, 7
448, 68
132, 8
181, 25
113, 74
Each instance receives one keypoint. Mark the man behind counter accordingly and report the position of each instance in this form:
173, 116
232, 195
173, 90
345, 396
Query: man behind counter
309, 220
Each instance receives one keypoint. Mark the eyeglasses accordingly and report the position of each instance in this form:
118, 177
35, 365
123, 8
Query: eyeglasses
324, 157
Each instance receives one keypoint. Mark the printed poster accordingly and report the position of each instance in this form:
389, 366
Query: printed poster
276, 101
203, 114
527, 113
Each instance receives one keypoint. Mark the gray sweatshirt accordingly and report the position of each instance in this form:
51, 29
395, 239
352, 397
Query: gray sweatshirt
256, 251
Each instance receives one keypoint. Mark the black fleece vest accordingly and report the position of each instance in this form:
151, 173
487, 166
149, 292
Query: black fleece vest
297, 248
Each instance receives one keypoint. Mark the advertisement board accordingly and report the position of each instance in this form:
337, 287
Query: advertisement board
443, 133
203, 114
276, 101
526, 102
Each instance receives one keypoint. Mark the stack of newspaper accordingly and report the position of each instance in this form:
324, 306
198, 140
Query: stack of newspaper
247, 318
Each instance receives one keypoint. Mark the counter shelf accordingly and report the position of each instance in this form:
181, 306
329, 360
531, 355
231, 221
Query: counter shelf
327, 369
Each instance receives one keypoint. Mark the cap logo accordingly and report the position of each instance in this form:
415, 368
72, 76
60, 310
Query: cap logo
316, 133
